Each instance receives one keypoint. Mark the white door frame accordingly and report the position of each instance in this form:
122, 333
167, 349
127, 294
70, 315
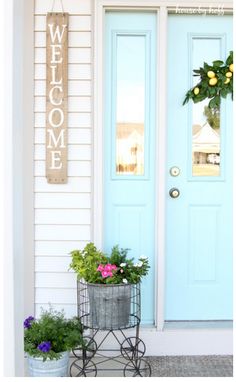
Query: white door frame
162, 8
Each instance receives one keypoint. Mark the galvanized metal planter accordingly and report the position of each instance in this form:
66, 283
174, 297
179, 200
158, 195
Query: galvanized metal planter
49, 368
109, 305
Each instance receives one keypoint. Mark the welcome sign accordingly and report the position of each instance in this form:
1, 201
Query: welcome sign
57, 94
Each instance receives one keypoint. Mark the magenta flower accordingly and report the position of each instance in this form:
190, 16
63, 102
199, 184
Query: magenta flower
106, 270
110, 267
100, 268
106, 274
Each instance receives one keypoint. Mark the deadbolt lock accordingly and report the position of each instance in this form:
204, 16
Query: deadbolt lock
174, 193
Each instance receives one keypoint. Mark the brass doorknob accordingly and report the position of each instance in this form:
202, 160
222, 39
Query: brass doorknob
174, 193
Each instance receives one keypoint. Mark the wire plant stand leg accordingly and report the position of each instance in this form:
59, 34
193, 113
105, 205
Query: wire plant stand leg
137, 368
83, 368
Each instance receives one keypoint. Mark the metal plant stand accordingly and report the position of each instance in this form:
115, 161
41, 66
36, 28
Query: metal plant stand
106, 313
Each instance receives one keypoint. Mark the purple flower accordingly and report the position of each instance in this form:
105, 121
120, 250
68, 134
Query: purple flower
27, 322
45, 346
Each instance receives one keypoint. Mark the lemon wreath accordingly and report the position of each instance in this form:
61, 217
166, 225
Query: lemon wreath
216, 81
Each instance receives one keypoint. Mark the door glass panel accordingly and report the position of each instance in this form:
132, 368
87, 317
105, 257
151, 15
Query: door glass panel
206, 141
206, 121
130, 104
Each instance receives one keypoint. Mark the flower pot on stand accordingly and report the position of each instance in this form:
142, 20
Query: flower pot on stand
107, 287
109, 305
49, 368
108, 298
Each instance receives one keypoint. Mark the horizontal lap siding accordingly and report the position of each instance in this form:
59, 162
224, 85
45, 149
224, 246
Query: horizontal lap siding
63, 212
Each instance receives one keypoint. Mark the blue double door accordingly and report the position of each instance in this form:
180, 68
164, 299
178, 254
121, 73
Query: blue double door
198, 278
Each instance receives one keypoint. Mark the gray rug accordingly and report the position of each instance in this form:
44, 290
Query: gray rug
191, 366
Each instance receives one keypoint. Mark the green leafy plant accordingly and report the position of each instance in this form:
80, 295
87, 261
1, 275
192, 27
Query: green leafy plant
94, 266
85, 263
51, 334
216, 82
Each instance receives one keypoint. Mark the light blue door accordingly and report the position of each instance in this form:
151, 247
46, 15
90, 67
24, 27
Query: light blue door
129, 140
199, 221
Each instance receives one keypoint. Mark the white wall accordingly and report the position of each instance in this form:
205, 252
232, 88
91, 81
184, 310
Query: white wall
63, 212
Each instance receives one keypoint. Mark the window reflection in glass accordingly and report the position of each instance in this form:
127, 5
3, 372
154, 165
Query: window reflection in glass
206, 122
130, 107
205, 140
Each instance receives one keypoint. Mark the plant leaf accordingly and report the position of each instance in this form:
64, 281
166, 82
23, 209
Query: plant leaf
217, 63
224, 93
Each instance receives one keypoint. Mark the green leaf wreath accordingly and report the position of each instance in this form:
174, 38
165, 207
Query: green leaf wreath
216, 81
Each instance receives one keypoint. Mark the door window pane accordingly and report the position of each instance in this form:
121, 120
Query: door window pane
206, 122
205, 140
130, 104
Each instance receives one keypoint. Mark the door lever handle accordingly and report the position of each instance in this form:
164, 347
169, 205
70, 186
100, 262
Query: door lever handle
174, 193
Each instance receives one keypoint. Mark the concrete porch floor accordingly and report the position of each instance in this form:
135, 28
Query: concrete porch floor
173, 366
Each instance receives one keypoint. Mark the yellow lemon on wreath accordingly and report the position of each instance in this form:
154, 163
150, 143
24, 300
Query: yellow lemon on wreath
231, 67
211, 74
213, 81
196, 91
229, 74
227, 81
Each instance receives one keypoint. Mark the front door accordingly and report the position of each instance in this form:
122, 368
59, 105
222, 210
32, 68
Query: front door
129, 141
199, 221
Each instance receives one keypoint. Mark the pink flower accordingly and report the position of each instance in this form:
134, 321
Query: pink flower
109, 267
106, 274
100, 268
106, 270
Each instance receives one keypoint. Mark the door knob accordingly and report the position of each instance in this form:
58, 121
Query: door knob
174, 193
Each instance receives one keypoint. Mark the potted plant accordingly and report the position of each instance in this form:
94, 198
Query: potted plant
109, 281
47, 342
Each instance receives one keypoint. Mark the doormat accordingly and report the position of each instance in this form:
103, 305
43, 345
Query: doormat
191, 366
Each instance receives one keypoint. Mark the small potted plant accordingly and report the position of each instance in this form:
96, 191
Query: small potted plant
109, 281
47, 342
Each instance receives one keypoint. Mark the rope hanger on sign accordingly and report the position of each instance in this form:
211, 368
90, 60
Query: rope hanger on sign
53, 5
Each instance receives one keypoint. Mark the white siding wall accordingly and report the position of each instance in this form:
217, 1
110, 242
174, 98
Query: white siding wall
62, 212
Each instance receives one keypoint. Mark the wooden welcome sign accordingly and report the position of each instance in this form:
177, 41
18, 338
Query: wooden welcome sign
57, 93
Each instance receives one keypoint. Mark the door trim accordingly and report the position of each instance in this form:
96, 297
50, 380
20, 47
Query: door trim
161, 167
162, 8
